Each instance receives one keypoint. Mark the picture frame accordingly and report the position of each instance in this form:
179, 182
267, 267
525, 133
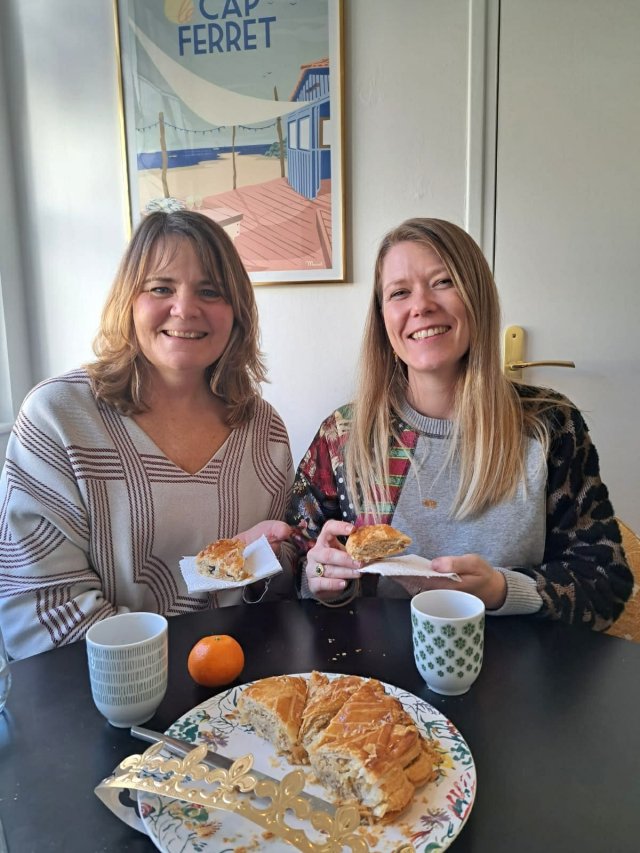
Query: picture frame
234, 108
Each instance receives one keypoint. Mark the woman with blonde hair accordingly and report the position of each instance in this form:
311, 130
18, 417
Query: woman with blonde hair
162, 445
493, 480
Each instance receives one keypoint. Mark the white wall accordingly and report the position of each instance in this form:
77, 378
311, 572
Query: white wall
64, 112
15, 373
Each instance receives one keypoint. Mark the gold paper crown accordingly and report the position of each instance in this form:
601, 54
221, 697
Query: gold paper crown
236, 790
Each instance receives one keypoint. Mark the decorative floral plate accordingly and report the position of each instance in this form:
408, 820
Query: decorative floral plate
438, 813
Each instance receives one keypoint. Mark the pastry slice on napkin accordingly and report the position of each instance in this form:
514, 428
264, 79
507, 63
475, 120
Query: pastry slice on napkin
223, 559
258, 563
376, 541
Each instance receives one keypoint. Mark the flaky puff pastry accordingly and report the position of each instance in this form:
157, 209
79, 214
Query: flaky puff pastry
372, 752
375, 542
273, 708
324, 699
223, 559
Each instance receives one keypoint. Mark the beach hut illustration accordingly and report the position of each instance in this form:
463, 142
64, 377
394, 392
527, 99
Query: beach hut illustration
308, 130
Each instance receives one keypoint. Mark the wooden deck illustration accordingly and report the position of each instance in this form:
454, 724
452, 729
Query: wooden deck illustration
278, 229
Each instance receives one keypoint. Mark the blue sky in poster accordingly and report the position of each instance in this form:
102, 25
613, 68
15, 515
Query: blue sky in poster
247, 46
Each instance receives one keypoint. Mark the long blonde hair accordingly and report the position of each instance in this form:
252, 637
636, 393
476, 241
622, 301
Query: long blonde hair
490, 421
118, 375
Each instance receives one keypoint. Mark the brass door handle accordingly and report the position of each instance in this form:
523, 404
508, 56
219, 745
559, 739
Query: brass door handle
514, 340
520, 365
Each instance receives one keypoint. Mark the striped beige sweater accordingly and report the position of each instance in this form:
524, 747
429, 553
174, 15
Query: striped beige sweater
94, 518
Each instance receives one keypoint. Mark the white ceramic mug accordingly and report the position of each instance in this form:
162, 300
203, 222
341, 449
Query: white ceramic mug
128, 666
448, 639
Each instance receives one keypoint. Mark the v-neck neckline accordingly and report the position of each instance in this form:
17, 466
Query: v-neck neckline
135, 429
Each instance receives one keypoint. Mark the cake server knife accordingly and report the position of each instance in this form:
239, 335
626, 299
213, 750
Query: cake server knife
215, 759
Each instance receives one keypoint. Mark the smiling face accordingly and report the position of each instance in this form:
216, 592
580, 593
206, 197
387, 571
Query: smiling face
182, 322
424, 316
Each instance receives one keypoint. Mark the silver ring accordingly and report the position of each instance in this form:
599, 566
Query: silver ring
319, 569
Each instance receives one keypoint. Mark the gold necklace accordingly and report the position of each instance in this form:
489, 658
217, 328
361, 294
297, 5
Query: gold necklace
428, 503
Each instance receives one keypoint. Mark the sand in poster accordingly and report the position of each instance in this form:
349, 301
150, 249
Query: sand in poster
211, 177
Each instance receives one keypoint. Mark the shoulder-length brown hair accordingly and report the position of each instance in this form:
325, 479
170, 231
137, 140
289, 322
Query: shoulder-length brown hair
118, 375
490, 423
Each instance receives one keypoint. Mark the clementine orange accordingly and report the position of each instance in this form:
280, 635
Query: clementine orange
215, 660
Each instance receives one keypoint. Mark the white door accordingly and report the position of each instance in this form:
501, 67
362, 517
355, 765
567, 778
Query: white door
567, 227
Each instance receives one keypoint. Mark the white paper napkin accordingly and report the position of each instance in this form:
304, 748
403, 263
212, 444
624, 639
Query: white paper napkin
260, 562
409, 565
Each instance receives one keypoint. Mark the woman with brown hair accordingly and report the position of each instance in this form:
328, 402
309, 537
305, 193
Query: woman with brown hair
496, 481
162, 445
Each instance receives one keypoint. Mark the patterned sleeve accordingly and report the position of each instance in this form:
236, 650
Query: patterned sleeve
314, 497
584, 578
49, 594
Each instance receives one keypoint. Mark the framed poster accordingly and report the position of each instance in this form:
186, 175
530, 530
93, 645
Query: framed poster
234, 108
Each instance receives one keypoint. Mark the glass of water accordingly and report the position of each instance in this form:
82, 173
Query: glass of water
5, 674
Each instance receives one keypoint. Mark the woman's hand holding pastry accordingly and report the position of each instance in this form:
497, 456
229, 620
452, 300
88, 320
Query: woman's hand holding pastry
476, 577
275, 531
329, 567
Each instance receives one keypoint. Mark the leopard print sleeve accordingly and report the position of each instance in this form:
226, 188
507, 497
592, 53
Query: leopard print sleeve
584, 577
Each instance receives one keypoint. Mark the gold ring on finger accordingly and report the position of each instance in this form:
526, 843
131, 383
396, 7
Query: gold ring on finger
319, 569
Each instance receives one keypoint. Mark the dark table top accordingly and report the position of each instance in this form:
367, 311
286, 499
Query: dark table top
552, 722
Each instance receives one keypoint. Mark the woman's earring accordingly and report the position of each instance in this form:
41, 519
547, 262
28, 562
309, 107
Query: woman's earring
395, 357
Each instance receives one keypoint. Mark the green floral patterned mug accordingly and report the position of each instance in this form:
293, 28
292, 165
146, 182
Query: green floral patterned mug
448, 639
